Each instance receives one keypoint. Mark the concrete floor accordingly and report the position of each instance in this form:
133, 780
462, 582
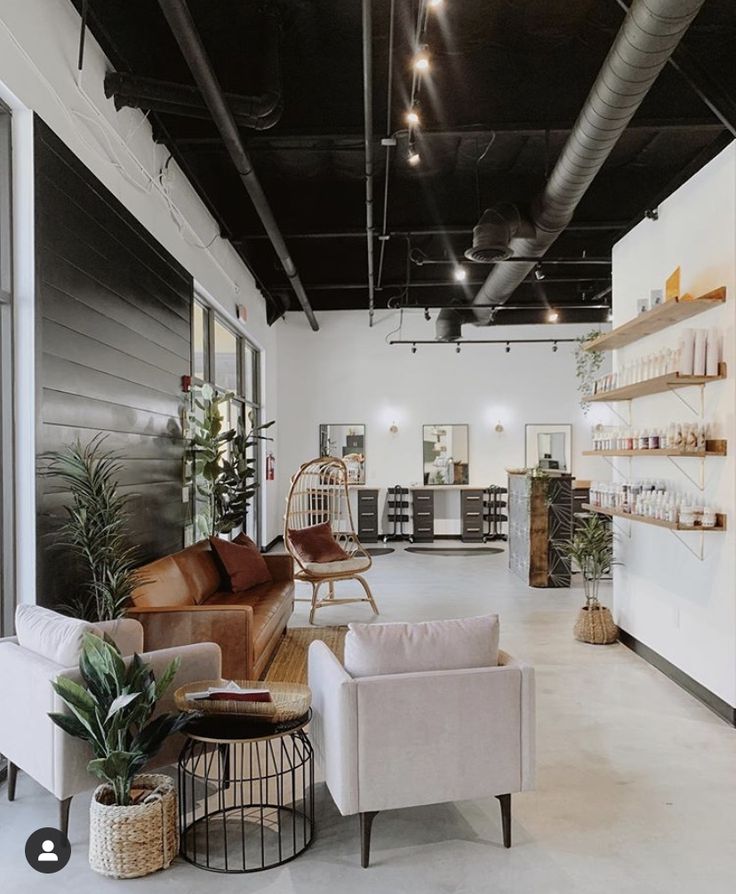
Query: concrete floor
636, 779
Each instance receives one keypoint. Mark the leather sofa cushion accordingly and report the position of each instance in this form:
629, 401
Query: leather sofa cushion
242, 562
199, 566
163, 583
268, 601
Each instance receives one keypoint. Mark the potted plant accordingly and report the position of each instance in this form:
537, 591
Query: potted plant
133, 818
95, 529
591, 548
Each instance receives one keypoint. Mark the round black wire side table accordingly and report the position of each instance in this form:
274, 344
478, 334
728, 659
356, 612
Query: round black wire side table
246, 793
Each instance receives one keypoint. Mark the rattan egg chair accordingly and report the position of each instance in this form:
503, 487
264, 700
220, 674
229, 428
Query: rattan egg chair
319, 493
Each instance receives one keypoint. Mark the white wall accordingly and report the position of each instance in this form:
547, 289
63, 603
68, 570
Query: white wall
38, 59
682, 608
349, 374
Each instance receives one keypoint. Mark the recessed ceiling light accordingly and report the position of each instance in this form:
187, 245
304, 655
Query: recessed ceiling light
460, 274
435, 4
552, 316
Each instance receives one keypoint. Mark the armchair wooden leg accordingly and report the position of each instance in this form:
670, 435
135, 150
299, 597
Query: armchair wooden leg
12, 778
366, 823
505, 801
64, 806
315, 593
368, 594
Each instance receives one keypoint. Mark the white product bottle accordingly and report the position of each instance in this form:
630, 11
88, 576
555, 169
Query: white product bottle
699, 353
712, 352
687, 352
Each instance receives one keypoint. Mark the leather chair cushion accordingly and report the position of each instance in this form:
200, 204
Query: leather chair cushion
316, 544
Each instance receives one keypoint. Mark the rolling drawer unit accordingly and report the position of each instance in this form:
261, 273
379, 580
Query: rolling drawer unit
423, 506
368, 516
471, 512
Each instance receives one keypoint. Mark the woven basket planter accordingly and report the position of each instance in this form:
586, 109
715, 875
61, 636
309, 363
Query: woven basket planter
128, 842
595, 625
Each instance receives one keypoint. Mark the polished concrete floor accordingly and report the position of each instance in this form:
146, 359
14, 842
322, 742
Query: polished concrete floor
636, 779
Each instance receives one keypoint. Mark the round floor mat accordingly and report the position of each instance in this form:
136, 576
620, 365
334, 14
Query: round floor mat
379, 550
457, 551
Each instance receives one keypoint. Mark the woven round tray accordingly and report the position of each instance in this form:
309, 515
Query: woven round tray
290, 701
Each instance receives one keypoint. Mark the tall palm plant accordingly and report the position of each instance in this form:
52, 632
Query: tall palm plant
95, 529
591, 548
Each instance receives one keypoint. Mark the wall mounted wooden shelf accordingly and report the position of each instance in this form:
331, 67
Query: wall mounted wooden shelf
658, 522
655, 320
712, 448
657, 385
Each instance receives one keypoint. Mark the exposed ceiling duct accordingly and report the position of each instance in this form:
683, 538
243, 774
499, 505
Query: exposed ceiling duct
493, 233
180, 21
647, 38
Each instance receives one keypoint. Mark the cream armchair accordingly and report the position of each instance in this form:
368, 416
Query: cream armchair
408, 739
32, 743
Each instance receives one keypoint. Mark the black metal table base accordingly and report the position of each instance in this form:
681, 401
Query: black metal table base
245, 806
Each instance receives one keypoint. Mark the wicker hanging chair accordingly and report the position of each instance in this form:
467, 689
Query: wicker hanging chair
318, 494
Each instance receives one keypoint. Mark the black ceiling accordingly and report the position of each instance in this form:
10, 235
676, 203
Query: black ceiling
508, 79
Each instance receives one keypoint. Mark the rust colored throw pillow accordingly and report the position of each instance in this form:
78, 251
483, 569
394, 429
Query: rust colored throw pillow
243, 562
316, 544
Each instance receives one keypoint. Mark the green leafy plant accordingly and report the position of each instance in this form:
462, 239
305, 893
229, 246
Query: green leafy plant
113, 710
587, 366
96, 528
223, 463
591, 548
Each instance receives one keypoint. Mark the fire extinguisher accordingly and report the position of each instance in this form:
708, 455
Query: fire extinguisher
270, 466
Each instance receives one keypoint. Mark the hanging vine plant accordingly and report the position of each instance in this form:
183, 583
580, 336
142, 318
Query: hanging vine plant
587, 367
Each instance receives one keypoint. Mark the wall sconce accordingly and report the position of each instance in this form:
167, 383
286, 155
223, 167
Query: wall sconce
499, 428
394, 428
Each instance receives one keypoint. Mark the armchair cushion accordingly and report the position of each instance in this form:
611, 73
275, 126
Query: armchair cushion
346, 566
316, 544
461, 643
243, 563
54, 636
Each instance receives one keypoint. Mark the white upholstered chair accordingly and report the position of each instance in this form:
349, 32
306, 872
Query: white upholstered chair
388, 737
28, 738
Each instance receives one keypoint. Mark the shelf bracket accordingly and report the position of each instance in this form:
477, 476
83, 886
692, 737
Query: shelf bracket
678, 394
699, 554
699, 482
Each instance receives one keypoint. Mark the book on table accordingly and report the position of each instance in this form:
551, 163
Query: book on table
230, 692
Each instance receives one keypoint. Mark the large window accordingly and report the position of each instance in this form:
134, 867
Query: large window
7, 599
225, 359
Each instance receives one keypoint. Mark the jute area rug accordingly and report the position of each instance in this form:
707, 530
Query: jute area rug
289, 664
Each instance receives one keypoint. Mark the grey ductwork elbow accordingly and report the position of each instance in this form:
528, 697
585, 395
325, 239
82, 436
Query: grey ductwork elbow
493, 233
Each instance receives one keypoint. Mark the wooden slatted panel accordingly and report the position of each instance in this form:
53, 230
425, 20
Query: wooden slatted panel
113, 340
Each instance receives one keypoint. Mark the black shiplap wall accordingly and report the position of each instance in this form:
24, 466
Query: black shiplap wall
113, 340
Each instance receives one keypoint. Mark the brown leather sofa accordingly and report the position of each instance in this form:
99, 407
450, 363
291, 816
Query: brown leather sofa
183, 599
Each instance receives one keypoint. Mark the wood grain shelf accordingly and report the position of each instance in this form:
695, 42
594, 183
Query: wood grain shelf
658, 522
658, 385
656, 319
712, 448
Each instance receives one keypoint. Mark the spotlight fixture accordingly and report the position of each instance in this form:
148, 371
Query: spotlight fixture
412, 118
421, 61
427, 315
413, 157
552, 315
435, 4
460, 274
413, 349
554, 347
508, 348
539, 273
457, 349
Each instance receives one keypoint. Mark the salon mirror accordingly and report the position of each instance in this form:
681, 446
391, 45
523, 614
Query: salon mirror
549, 447
445, 454
348, 443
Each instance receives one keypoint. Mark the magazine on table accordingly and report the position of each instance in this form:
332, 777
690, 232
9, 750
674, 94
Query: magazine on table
231, 692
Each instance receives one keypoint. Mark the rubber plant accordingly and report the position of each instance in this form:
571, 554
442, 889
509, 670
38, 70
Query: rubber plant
223, 462
112, 712
96, 527
587, 366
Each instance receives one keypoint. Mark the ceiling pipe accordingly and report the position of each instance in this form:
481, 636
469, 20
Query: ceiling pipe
180, 21
367, 15
646, 40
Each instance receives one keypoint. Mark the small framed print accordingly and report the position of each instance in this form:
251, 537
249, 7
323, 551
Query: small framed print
656, 297
642, 305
